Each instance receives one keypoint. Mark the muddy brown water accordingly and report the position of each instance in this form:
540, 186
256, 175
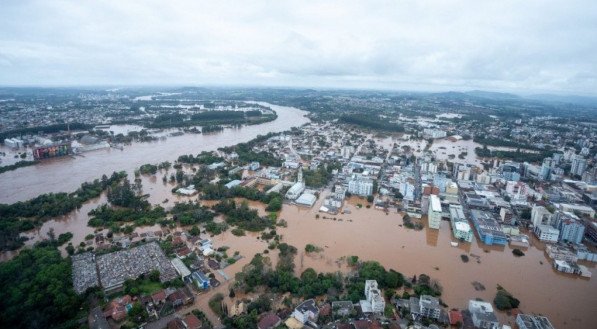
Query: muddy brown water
66, 174
371, 234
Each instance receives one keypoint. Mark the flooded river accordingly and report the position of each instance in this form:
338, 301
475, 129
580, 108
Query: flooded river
66, 174
371, 234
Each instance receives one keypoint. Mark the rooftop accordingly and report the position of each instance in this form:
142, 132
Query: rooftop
534, 321
435, 203
114, 268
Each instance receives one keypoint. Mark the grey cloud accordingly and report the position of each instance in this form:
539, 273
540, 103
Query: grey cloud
505, 45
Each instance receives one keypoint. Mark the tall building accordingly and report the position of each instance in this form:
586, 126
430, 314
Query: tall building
374, 297
546, 233
360, 186
579, 164
441, 181
571, 228
347, 151
434, 214
510, 172
460, 226
540, 215
546, 168
429, 306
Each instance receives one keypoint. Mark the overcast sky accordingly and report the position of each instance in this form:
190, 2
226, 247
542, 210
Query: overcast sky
522, 46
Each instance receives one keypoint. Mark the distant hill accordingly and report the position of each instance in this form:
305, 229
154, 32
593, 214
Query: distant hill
568, 99
492, 95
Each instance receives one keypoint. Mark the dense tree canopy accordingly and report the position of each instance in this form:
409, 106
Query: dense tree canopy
37, 291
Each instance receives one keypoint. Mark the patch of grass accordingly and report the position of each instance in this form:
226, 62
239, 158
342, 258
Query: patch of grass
149, 287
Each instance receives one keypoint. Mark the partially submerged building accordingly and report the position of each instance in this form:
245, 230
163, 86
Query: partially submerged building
460, 226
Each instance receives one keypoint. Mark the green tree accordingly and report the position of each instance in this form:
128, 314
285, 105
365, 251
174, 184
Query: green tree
154, 276
37, 290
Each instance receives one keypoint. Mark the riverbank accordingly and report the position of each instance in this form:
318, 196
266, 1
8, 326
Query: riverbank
66, 174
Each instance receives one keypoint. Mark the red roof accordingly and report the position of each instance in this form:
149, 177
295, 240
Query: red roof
325, 310
184, 251
192, 321
177, 241
268, 321
159, 296
343, 326
455, 317
117, 308
362, 324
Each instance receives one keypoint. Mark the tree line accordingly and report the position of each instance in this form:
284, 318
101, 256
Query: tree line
26, 215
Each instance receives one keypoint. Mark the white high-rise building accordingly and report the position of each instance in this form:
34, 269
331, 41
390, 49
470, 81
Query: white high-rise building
374, 297
579, 164
434, 215
540, 215
347, 151
360, 186
546, 168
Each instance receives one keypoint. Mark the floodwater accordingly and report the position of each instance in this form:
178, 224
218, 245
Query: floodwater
66, 174
368, 233
372, 235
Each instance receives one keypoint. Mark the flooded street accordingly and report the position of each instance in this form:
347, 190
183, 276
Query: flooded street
66, 174
368, 233
372, 235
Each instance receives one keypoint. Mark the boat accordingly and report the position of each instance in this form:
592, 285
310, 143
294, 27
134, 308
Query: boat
454, 244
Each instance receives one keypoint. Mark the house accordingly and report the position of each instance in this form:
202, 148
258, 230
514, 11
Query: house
201, 279
342, 308
181, 297
325, 310
118, 308
482, 315
269, 321
306, 311
526, 321
181, 268
176, 324
159, 297
188, 191
183, 252
344, 326
455, 317
232, 184
253, 166
362, 324
192, 322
